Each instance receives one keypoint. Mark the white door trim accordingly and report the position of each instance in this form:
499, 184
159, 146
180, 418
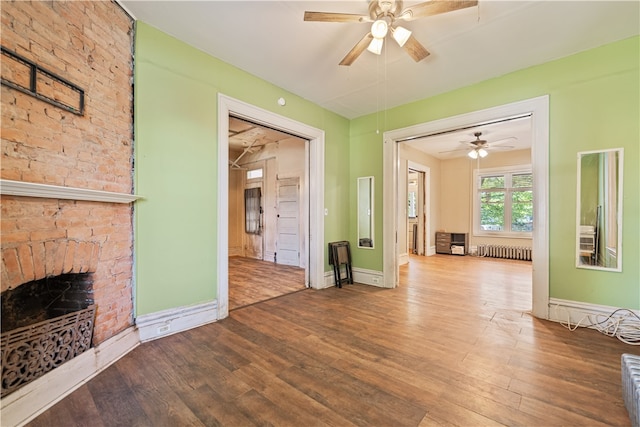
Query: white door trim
315, 249
539, 107
427, 204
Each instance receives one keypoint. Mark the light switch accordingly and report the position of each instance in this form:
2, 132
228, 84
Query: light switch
326, 212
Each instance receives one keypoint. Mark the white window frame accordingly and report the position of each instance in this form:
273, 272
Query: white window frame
505, 170
412, 204
256, 178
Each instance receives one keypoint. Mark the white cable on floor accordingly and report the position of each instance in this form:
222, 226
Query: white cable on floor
625, 327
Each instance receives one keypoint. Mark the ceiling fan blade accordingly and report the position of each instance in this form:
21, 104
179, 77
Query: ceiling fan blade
453, 151
415, 49
497, 142
335, 17
357, 50
435, 7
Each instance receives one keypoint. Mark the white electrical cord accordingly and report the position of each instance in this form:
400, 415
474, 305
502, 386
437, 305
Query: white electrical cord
625, 326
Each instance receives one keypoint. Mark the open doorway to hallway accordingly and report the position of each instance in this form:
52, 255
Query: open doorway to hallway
267, 232
462, 216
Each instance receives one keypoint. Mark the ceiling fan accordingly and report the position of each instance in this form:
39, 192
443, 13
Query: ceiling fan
384, 14
478, 147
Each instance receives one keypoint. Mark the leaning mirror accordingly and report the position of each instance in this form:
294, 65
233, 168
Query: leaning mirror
365, 212
599, 210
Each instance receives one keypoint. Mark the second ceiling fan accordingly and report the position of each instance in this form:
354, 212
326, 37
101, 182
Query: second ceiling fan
478, 147
384, 14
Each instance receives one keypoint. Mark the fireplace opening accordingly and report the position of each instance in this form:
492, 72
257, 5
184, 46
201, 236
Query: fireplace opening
45, 323
45, 299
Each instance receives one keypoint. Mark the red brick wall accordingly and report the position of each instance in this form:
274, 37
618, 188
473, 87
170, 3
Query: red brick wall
90, 44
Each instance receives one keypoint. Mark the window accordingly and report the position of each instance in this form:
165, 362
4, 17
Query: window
504, 202
252, 210
254, 174
411, 208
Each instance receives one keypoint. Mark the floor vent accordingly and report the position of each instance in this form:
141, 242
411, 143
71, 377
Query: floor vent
631, 386
508, 252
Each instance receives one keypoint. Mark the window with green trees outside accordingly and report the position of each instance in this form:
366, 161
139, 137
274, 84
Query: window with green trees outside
505, 202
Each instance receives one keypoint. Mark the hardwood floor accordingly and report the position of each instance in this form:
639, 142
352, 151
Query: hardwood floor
453, 345
252, 281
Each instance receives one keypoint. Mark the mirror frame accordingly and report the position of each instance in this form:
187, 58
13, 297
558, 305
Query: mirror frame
369, 208
579, 263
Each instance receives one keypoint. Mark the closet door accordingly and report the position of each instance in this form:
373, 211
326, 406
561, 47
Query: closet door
288, 240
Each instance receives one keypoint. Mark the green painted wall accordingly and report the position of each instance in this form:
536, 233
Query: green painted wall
594, 104
176, 89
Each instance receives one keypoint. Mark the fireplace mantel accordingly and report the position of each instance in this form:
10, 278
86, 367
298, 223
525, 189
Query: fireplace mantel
30, 189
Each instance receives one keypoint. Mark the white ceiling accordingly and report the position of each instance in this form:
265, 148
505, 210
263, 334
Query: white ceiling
244, 134
514, 134
270, 39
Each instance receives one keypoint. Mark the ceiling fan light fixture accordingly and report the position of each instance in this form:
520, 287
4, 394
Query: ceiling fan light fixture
379, 29
477, 152
400, 35
376, 46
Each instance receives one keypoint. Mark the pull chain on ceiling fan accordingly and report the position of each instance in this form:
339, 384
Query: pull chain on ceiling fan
383, 15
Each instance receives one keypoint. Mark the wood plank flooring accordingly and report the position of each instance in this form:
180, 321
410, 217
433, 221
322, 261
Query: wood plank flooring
252, 281
453, 345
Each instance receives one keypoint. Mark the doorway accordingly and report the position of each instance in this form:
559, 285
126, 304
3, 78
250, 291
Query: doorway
267, 169
416, 213
311, 200
538, 109
428, 211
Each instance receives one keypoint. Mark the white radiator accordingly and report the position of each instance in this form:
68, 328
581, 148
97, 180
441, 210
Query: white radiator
631, 386
509, 252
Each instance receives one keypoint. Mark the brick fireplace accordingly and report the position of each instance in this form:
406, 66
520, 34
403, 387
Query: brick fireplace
69, 168
45, 238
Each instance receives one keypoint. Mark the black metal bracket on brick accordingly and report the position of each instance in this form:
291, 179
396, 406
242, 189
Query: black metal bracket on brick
28, 77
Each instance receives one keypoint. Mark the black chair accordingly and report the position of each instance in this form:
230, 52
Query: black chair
339, 256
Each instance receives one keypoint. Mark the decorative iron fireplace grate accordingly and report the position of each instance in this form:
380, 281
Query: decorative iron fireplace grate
31, 351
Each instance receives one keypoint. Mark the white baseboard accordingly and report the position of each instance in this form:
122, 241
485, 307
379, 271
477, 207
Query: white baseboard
26, 403
431, 251
269, 256
328, 280
162, 323
578, 313
360, 275
368, 277
403, 259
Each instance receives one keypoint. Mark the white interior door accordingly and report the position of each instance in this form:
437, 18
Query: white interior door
288, 240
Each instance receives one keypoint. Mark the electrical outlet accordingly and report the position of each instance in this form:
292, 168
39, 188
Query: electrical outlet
164, 329
375, 280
